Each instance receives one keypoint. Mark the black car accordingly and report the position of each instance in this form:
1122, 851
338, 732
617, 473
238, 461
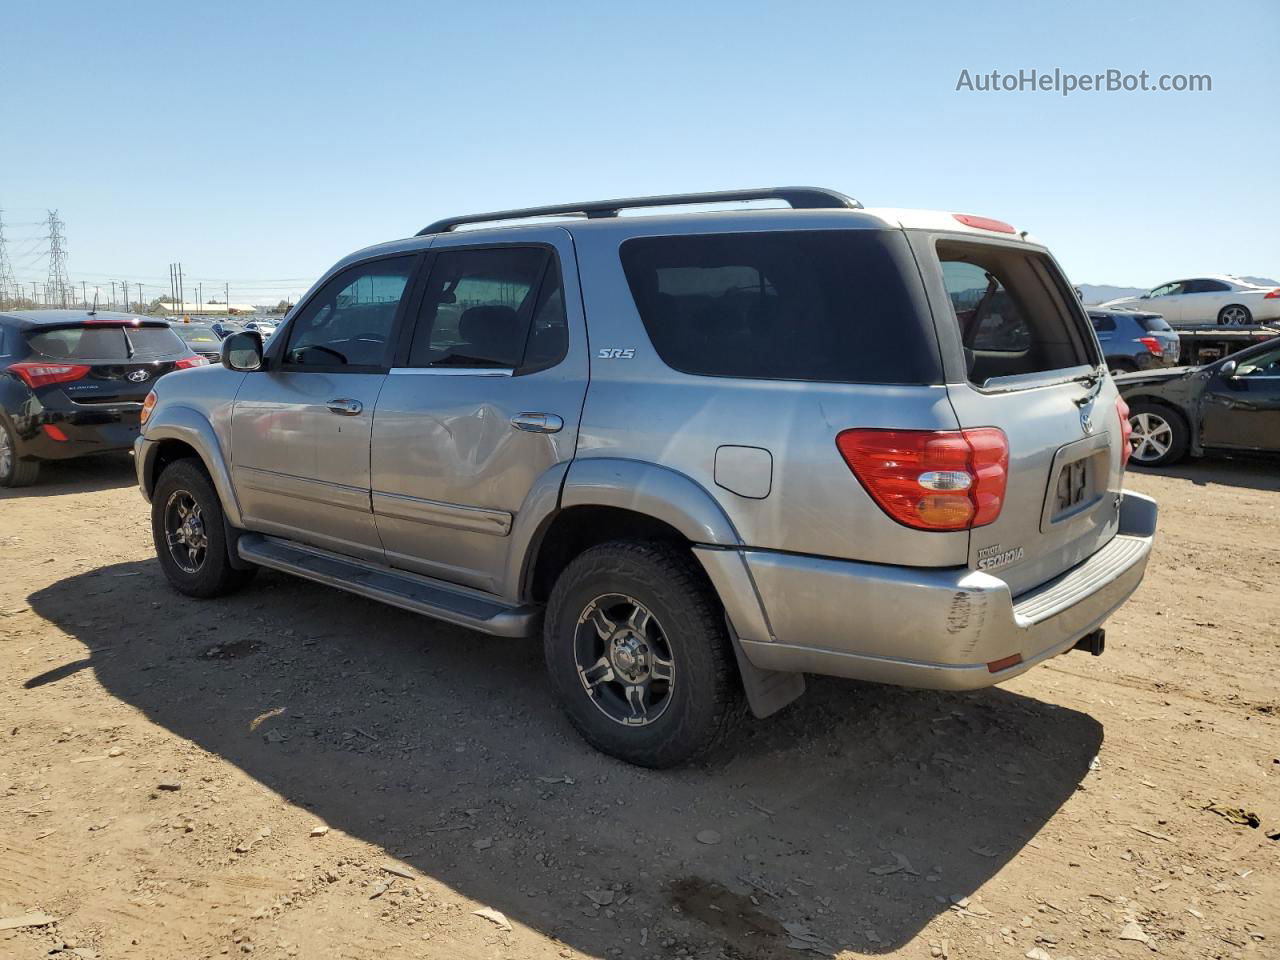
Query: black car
203, 338
72, 384
1229, 406
1132, 340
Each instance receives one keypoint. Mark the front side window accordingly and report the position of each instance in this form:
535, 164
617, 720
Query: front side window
823, 305
349, 322
500, 307
1168, 290
1265, 364
1013, 314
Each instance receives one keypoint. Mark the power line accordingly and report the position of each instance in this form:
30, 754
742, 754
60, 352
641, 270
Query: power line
58, 287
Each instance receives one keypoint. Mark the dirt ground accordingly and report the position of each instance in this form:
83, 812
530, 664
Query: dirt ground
297, 772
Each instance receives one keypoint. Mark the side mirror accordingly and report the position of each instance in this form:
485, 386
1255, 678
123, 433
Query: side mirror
243, 351
1228, 370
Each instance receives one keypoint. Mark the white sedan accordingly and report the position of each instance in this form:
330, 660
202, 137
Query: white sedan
1229, 301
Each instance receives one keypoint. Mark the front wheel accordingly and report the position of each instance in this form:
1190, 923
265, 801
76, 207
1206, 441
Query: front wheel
189, 534
1234, 315
1160, 434
638, 653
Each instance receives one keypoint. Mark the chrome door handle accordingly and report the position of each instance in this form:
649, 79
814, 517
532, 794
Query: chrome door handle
344, 407
538, 422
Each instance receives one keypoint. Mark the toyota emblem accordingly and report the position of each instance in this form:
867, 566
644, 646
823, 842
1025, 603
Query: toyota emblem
139, 376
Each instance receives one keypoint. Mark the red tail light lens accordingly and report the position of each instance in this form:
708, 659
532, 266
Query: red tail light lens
931, 479
1152, 344
187, 362
1273, 295
1126, 431
53, 433
44, 374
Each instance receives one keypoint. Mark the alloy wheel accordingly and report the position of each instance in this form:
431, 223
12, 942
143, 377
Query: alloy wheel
1234, 316
184, 531
6, 452
1152, 436
624, 659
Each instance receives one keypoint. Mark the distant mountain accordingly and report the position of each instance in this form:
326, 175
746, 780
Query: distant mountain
1100, 293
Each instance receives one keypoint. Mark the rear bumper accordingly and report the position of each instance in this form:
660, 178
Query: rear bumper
915, 627
87, 429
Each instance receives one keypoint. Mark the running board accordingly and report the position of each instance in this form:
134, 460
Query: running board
398, 588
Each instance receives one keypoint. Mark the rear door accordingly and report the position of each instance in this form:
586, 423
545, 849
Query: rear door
482, 405
1027, 346
300, 428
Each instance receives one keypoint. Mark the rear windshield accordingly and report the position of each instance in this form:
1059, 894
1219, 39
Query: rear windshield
196, 333
107, 343
1155, 323
829, 305
1013, 310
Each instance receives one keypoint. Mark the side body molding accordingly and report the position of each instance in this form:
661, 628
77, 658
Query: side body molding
656, 491
176, 422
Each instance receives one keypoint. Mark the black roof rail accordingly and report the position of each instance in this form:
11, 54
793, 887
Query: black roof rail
800, 198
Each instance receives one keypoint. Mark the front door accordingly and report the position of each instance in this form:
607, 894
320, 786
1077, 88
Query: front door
1243, 410
482, 407
300, 428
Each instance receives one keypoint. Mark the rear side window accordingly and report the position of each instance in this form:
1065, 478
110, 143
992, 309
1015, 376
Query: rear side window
1102, 323
500, 307
1151, 324
1013, 311
827, 305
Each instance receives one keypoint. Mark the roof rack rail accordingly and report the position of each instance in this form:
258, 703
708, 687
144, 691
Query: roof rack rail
800, 198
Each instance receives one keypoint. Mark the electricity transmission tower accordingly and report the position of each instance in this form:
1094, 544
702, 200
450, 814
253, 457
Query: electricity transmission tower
8, 285
57, 289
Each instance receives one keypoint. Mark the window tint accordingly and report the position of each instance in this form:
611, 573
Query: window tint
349, 322
1154, 323
829, 305
1211, 286
81, 343
1013, 311
1265, 364
1102, 322
154, 342
478, 307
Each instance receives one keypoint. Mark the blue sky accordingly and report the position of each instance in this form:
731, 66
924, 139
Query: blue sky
259, 142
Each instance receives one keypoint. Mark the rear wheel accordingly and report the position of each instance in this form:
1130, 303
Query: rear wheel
189, 534
14, 472
638, 653
1234, 315
1160, 434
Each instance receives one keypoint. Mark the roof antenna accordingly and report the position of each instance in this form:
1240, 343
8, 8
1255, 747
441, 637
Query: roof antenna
95, 302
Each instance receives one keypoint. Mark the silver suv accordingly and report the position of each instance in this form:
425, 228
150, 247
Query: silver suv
702, 453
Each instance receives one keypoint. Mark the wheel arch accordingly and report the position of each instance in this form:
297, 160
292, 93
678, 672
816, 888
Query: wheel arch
1191, 423
185, 432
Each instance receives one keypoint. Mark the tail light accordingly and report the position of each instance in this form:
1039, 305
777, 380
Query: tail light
1126, 431
187, 362
44, 374
1273, 295
148, 405
931, 479
1152, 344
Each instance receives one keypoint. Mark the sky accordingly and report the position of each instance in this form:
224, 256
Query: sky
257, 143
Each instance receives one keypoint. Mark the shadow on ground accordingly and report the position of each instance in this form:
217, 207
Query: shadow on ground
858, 812
1252, 473
107, 471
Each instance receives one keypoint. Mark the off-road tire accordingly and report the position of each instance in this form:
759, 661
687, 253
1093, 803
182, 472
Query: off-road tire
705, 697
21, 473
1180, 432
215, 576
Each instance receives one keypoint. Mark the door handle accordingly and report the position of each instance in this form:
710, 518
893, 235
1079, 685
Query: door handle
538, 422
345, 407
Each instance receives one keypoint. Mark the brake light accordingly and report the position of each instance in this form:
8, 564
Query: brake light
44, 374
187, 362
1152, 344
147, 406
1126, 431
984, 223
1273, 295
931, 479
